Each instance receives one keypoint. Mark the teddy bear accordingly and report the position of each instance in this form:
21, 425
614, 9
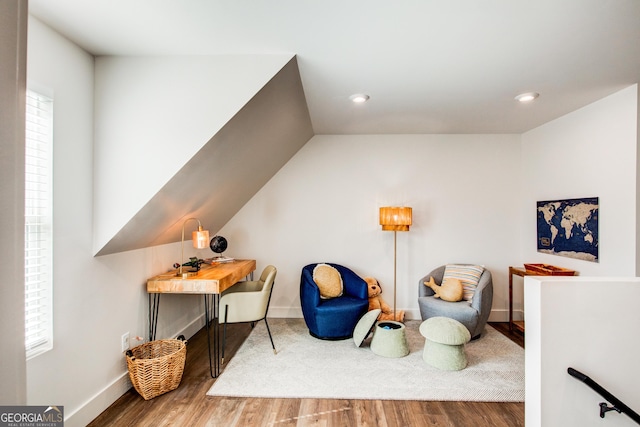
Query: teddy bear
451, 289
376, 301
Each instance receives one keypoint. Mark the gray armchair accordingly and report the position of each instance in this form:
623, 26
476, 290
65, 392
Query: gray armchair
472, 314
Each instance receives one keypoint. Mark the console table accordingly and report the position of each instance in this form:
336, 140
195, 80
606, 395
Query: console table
531, 270
519, 325
210, 281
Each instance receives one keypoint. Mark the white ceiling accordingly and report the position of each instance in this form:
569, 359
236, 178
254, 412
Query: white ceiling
430, 66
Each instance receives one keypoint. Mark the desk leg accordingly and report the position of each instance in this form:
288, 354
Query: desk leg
216, 331
154, 305
211, 316
211, 308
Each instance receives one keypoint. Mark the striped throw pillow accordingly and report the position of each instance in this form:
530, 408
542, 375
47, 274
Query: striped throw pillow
469, 276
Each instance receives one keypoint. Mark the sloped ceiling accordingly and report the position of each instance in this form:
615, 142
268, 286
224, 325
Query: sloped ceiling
229, 169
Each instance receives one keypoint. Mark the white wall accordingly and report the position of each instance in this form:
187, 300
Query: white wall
589, 324
323, 206
153, 114
590, 152
637, 179
96, 300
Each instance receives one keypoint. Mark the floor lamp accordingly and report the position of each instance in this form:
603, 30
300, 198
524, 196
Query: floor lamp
395, 219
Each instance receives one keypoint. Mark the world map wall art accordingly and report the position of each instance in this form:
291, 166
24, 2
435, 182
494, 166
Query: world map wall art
569, 228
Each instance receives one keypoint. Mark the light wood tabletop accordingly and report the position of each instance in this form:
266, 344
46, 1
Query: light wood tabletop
211, 279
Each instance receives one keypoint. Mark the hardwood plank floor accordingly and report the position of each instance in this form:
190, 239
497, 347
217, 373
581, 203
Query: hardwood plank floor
189, 405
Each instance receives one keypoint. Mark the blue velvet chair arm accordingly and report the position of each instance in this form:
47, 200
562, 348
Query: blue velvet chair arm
308, 288
309, 296
352, 283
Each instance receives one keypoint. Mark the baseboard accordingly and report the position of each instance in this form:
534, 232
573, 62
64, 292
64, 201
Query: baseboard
503, 315
193, 327
411, 314
285, 312
95, 405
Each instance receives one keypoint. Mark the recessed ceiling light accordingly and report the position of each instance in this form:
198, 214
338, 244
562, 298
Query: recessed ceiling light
527, 97
359, 98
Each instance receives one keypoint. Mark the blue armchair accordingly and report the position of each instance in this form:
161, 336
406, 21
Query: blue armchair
335, 318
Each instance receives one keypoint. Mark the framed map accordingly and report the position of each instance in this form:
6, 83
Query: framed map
569, 228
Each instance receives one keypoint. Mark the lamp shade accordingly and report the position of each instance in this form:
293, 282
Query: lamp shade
200, 238
394, 218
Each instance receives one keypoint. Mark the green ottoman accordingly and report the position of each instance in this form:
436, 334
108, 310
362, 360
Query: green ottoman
444, 343
389, 338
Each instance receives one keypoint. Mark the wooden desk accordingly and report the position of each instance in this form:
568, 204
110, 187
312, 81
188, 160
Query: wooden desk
210, 281
519, 325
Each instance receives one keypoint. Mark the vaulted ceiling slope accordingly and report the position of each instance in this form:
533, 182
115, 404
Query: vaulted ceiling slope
228, 170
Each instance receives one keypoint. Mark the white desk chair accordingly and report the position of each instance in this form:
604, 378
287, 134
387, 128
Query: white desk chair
248, 301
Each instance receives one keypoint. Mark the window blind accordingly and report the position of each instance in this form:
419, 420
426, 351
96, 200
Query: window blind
38, 230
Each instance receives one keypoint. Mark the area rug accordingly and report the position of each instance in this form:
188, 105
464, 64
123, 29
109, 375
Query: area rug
306, 367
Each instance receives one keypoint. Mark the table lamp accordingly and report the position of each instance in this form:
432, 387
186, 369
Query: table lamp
200, 240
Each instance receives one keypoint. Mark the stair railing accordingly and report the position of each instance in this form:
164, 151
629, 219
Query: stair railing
617, 404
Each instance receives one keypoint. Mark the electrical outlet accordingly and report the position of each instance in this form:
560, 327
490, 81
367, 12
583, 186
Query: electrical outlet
125, 342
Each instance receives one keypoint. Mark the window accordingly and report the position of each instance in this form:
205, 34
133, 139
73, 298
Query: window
38, 230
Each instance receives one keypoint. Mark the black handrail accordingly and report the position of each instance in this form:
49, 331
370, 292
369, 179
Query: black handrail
618, 405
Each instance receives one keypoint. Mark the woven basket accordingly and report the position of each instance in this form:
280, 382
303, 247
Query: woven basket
156, 367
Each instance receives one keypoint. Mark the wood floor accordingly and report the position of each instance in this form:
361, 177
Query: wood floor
189, 405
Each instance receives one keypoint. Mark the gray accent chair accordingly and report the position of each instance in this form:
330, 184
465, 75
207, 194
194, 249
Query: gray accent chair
473, 315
